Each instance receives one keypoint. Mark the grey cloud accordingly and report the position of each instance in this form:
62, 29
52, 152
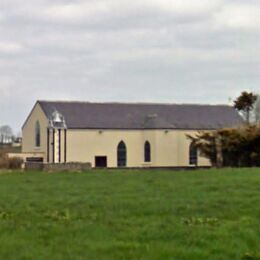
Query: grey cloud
158, 50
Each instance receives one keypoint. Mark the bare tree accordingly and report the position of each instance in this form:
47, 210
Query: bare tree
6, 134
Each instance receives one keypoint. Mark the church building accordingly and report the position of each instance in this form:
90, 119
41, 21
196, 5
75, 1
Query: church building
121, 134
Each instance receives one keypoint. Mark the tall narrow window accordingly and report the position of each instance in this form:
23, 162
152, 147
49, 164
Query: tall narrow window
147, 152
193, 154
37, 134
121, 154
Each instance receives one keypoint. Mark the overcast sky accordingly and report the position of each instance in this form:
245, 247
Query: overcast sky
177, 51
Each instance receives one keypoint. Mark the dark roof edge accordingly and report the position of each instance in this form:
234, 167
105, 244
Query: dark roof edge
131, 103
27, 118
37, 102
138, 129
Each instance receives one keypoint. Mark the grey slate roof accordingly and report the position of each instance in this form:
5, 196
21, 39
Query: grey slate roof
85, 115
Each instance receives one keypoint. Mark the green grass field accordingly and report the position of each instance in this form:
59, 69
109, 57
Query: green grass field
206, 214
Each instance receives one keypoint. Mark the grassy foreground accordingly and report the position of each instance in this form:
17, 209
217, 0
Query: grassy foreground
208, 214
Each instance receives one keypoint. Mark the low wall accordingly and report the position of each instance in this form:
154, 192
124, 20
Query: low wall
56, 167
33, 166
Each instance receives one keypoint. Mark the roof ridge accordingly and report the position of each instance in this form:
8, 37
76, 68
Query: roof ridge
130, 103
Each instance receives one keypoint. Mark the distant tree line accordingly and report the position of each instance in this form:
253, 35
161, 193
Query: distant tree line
6, 134
234, 147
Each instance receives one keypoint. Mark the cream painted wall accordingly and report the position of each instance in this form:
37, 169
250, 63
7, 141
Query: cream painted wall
84, 145
28, 132
169, 148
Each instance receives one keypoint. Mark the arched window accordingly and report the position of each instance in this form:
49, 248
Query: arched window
193, 154
147, 152
121, 154
37, 134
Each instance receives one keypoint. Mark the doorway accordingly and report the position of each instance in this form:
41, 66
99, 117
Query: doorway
100, 161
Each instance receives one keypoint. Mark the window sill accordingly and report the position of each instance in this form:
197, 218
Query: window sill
147, 164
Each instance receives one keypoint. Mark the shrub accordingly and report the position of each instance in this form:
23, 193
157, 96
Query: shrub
15, 163
230, 147
10, 163
3, 160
